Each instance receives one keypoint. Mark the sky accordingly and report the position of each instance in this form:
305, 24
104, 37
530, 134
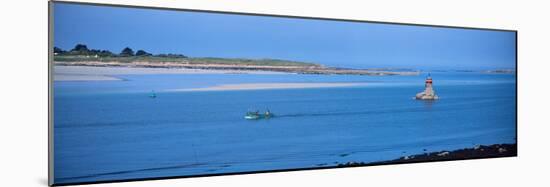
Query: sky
331, 43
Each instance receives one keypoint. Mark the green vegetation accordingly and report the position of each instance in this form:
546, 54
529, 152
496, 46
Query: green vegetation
126, 52
81, 53
251, 62
121, 59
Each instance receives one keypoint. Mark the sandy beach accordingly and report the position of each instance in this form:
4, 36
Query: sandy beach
265, 86
84, 77
93, 73
214, 67
96, 73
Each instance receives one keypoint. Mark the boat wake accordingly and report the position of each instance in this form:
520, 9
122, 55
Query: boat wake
448, 107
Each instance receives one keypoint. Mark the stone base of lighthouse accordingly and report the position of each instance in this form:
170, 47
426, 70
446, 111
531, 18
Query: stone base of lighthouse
424, 96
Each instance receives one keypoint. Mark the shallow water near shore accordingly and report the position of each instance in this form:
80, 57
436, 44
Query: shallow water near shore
113, 130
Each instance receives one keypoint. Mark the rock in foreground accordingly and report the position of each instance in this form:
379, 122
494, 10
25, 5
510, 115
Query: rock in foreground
480, 151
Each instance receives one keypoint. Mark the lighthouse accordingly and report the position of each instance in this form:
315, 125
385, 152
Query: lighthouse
428, 93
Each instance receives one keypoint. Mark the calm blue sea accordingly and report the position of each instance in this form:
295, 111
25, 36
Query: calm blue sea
112, 130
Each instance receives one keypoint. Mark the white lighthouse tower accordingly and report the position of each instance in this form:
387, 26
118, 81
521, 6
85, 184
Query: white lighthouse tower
428, 93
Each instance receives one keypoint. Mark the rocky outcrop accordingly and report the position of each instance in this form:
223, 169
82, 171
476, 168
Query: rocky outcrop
479, 151
424, 96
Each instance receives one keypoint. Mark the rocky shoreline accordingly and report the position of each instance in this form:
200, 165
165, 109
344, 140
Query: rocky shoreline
480, 151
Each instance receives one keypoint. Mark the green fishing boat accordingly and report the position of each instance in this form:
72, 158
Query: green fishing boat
256, 115
252, 115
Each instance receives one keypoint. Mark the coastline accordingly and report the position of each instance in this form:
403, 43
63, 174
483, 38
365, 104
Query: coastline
109, 73
96, 73
84, 77
240, 68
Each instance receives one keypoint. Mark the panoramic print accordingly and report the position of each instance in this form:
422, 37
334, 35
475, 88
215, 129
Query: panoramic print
150, 93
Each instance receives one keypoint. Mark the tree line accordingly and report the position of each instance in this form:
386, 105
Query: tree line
82, 49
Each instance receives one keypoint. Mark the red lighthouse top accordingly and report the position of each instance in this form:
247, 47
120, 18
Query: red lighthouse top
429, 79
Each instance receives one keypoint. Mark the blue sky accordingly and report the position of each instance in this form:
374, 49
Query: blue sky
332, 43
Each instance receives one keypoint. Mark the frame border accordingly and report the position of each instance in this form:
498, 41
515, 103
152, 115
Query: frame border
50, 94
51, 89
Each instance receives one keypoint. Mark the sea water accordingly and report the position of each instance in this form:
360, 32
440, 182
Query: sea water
113, 130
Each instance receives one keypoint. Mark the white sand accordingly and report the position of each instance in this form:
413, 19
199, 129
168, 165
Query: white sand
92, 73
77, 77
263, 86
